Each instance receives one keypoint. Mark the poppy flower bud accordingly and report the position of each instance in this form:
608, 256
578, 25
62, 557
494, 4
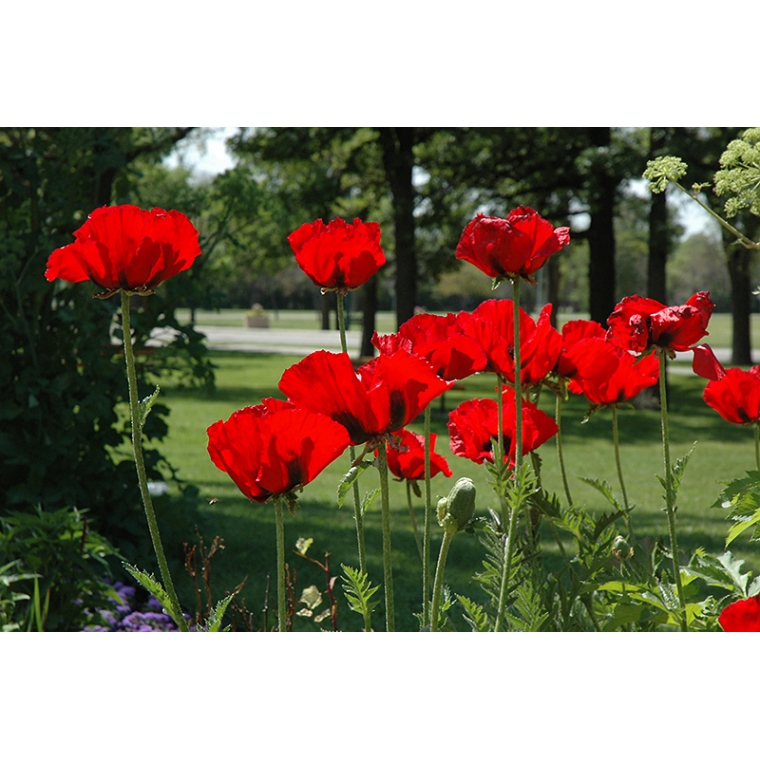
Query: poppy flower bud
456, 509
621, 549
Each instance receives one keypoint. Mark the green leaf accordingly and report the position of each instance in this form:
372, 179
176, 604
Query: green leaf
604, 488
214, 621
144, 407
742, 497
311, 597
368, 499
723, 571
359, 592
678, 468
347, 481
303, 544
476, 617
152, 586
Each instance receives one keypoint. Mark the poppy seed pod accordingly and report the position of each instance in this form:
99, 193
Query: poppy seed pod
456, 509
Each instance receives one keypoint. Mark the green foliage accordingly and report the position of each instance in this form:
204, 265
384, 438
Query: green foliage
62, 375
61, 565
351, 477
742, 497
475, 615
153, 586
359, 593
10, 620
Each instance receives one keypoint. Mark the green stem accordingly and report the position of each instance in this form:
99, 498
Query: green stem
757, 447
438, 585
134, 408
518, 376
281, 606
669, 495
413, 518
743, 239
382, 463
616, 442
509, 551
358, 516
501, 468
558, 420
509, 548
428, 526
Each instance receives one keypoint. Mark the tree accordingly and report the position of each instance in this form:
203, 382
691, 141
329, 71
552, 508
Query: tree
61, 377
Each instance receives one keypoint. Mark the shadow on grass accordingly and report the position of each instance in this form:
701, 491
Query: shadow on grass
248, 531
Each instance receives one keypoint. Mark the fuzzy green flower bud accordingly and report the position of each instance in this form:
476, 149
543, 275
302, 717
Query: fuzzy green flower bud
621, 549
456, 509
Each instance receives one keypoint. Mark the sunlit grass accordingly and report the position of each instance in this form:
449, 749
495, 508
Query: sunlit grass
722, 452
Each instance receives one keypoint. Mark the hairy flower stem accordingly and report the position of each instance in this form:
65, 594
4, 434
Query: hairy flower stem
616, 442
281, 605
499, 452
438, 585
150, 514
413, 518
358, 517
558, 420
669, 492
509, 548
428, 524
390, 615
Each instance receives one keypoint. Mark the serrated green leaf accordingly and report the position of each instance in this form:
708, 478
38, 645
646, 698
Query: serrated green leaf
368, 499
678, 468
476, 617
150, 584
359, 593
145, 406
604, 488
347, 481
740, 525
214, 622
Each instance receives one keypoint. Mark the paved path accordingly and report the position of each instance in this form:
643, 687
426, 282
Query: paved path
268, 341
303, 342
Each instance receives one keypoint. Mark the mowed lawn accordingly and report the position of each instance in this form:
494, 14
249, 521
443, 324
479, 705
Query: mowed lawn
721, 451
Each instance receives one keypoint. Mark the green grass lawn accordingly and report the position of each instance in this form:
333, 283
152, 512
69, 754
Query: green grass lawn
722, 452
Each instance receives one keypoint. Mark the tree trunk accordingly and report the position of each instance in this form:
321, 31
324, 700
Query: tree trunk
659, 239
601, 235
398, 160
369, 301
738, 259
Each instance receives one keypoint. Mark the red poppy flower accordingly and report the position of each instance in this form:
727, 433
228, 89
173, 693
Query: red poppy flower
638, 323
406, 457
275, 447
492, 325
606, 374
742, 616
126, 248
736, 395
513, 247
706, 364
338, 256
439, 340
473, 426
385, 394
573, 332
